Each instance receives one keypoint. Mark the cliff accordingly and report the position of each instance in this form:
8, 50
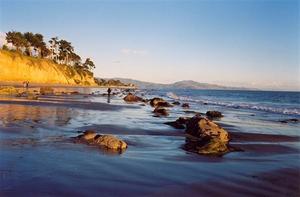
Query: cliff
15, 67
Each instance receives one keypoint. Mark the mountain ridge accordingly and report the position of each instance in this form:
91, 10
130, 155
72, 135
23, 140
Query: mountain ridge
183, 84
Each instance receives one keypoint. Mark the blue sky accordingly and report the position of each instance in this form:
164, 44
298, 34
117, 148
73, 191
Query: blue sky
252, 43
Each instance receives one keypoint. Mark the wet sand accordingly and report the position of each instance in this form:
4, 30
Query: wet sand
39, 159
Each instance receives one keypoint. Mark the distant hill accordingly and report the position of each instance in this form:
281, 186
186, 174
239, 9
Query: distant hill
186, 84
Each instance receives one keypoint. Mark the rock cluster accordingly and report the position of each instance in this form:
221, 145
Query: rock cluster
106, 141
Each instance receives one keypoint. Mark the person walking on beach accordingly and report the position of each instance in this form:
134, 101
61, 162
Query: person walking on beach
108, 95
108, 91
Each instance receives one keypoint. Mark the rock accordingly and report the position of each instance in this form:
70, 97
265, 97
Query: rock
90, 137
176, 103
46, 90
214, 114
159, 102
179, 123
211, 138
203, 128
185, 105
214, 147
110, 142
132, 98
175, 124
160, 111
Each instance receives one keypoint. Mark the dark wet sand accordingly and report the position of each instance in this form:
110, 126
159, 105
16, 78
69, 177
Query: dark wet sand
282, 182
37, 157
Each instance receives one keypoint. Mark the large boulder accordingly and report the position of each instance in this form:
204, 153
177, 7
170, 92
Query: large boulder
46, 90
159, 102
214, 114
132, 98
203, 128
210, 137
90, 137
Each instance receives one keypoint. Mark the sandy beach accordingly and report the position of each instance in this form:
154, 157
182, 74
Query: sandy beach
39, 159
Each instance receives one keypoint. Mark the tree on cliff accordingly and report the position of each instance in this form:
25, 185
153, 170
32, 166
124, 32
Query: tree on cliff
16, 39
60, 51
54, 44
88, 64
65, 50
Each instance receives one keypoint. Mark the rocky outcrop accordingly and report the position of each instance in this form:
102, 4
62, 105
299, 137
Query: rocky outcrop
132, 98
214, 114
160, 111
159, 102
90, 137
207, 136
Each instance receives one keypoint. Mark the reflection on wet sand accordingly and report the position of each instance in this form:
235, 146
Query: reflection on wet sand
18, 115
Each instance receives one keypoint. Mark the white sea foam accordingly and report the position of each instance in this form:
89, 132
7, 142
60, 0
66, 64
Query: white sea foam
237, 105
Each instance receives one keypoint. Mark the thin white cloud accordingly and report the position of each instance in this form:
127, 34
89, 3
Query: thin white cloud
128, 51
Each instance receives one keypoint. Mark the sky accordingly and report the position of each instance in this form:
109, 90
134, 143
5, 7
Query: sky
249, 43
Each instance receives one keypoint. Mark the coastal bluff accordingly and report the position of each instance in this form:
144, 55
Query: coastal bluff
15, 67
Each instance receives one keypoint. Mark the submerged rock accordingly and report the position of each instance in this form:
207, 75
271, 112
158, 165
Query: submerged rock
214, 114
159, 102
108, 141
132, 98
176, 103
179, 123
46, 90
185, 105
160, 111
293, 120
210, 137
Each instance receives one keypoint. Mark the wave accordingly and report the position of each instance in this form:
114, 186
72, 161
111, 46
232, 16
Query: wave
172, 95
236, 105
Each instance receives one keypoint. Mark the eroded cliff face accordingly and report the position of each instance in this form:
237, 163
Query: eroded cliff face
15, 67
